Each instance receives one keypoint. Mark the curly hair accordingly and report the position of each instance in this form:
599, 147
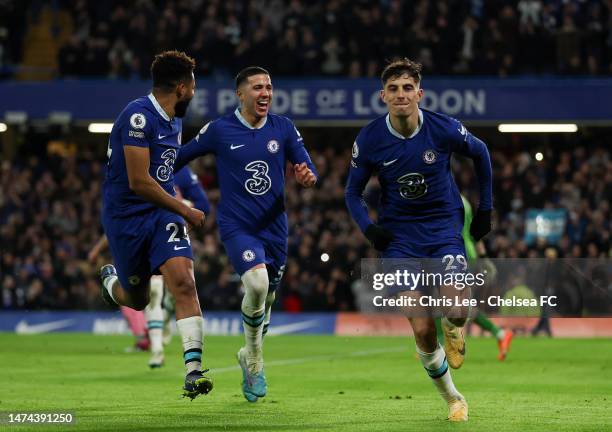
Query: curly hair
170, 68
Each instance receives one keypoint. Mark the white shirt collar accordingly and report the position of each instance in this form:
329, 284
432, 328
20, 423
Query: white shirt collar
158, 107
246, 123
397, 134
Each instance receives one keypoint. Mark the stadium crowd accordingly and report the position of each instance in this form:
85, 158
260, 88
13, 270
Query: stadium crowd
50, 208
326, 38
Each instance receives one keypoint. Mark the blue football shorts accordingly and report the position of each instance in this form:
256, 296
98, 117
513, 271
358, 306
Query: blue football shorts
433, 247
141, 244
245, 251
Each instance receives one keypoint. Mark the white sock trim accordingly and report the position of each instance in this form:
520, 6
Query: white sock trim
108, 283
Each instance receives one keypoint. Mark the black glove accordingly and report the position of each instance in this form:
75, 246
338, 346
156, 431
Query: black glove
379, 237
481, 224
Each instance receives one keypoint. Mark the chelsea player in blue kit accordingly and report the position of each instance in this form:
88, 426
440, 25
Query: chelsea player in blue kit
157, 318
143, 220
189, 189
420, 212
252, 148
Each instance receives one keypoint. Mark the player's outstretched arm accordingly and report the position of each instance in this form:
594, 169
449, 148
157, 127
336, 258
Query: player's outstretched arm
202, 144
142, 184
197, 196
191, 189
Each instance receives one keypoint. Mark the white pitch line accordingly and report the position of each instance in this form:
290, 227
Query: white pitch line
311, 359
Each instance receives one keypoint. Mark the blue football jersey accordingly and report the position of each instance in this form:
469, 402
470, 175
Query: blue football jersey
251, 166
143, 123
191, 189
415, 172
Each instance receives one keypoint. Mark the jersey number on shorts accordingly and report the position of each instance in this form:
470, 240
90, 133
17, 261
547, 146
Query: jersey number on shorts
176, 228
259, 183
412, 185
449, 260
163, 171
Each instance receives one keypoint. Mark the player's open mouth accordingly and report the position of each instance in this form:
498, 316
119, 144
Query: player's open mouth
263, 103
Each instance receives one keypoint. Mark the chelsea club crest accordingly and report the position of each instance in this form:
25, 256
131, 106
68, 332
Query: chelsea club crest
272, 146
429, 156
248, 255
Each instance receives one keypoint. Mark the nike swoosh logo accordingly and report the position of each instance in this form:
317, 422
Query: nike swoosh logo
23, 327
180, 247
161, 136
292, 328
389, 163
233, 147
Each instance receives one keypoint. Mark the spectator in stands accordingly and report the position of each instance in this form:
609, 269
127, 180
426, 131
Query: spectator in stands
498, 38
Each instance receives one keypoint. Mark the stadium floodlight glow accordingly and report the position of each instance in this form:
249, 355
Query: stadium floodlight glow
324, 257
539, 156
537, 127
2, 127
100, 127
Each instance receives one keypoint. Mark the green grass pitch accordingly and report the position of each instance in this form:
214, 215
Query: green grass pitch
314, 383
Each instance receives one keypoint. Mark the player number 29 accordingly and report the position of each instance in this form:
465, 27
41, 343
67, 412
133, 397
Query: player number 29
449, 260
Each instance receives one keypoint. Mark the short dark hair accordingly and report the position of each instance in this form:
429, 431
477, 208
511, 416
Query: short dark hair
170, 68
245, 73
397, 68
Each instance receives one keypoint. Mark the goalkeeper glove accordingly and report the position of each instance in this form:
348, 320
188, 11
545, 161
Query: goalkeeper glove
379, 237
481, 224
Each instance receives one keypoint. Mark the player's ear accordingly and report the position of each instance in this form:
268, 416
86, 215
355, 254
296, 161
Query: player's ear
382, 95
420, 94
180, 90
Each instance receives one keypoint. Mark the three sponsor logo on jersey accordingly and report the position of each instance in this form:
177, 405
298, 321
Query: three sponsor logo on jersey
413, 185
259, 182
164, 171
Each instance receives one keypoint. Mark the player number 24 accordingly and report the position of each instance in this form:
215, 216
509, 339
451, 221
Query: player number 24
175, 228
